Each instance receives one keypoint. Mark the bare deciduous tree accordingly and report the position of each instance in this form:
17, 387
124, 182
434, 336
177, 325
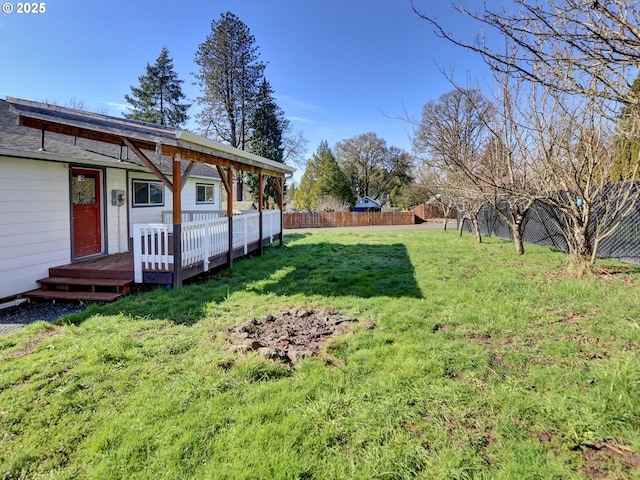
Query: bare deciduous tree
505, 174
586, 47
332, 204
450, 139
372, 167
438, 191
577, 156
578, 59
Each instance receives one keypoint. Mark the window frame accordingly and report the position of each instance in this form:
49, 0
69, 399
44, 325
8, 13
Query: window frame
148, 203
213, 193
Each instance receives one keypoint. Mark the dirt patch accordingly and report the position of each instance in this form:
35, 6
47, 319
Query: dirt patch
37, 340
290, 336
481, 338
596, 457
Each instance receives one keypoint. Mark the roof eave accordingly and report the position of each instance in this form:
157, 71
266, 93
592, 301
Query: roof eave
53, 157
195, 142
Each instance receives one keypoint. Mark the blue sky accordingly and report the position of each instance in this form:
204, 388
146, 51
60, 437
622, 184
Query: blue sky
339, 68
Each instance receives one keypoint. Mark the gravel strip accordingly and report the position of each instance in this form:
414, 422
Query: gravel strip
14, 318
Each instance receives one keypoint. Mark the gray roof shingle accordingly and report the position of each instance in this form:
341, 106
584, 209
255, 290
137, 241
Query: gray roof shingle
24, 140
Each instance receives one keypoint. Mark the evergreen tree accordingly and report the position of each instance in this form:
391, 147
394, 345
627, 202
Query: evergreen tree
159, 96
229, 76
267, 127
628, 143
323, 179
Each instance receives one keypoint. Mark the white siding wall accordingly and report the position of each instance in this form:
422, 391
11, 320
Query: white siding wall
34, 222
189, 195
117, 241
154, 214
35, 230
146, 214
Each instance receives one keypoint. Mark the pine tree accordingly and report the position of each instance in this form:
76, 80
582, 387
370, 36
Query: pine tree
323, 179
267, 127
229, 76
159, 96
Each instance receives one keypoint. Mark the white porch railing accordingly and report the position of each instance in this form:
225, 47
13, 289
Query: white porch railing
151, 249
246, 229
201, 240
193, 215
271, 223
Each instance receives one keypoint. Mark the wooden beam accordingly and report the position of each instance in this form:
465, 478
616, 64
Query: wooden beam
260, 201
148, 163
230, 216
116, 138
187, 173
223, 177
149, 140
230, 193
79, 132
280, 188
177, 198
260, 191
177, 225
276, 185
187, 154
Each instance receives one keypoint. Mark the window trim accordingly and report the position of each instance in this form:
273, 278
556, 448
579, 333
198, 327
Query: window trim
213, 191
148, 182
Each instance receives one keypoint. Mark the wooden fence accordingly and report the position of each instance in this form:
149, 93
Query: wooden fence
428, 211
347, 219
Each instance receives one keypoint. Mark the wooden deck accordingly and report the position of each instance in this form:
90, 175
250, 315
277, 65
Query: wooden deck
103, 279
107, 278
118, 266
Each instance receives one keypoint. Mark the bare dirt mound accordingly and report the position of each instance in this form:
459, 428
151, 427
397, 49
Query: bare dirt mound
291, 336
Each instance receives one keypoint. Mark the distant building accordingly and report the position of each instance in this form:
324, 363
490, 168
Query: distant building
367, 204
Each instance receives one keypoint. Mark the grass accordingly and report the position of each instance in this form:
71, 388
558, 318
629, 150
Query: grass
482, 365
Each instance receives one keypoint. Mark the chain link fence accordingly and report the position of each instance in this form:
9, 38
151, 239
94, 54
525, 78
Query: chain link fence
542, 227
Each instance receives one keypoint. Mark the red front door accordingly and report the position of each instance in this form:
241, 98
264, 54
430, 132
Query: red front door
85, 194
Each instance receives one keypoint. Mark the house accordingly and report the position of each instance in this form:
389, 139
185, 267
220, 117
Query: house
367, 204
78, 186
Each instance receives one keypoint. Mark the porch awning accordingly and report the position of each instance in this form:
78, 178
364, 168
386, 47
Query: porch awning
167, 141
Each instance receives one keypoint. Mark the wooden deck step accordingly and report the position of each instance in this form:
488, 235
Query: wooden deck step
110, 266
86, 272
71, 283
79, 296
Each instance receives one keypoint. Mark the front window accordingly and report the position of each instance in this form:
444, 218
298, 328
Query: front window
204, 193
147, 193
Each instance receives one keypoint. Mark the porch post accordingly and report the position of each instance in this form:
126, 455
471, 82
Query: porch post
230, 216
177, 223
260, 200
281, 199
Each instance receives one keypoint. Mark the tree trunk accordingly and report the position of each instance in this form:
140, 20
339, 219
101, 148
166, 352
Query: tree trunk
444, 225
594, 252
580, 251
461, 226
581, 241
476, 230
517, 238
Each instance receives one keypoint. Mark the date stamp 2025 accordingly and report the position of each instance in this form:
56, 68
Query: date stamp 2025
30, 8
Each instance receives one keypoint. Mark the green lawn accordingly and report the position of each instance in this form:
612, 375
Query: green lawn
481, 365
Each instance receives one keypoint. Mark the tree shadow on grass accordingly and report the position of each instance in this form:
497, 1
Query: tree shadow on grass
333, 269
325, 269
